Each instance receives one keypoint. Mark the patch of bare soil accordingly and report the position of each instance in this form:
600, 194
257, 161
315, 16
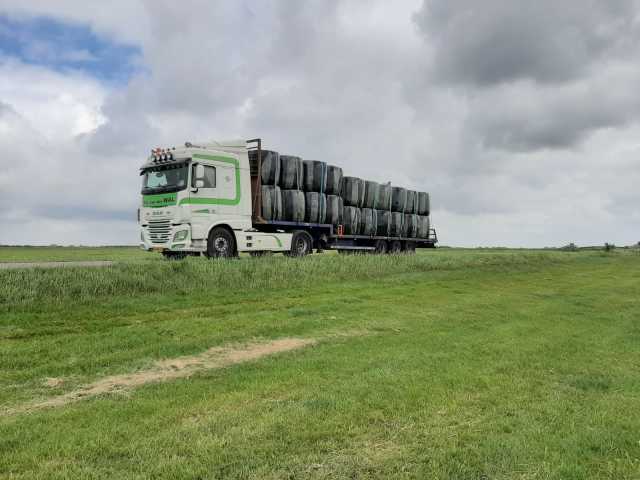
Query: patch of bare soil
170, 369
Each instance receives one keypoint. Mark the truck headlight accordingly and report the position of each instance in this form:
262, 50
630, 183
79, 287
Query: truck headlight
181, 235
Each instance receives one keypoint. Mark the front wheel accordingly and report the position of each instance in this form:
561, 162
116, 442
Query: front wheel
301, 244
221, 243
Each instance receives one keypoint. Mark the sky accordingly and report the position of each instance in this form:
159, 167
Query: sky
522, 119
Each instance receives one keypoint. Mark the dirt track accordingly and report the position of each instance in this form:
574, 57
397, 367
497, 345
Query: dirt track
17, 265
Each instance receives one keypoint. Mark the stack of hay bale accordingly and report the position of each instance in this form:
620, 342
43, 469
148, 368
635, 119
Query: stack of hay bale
312, 191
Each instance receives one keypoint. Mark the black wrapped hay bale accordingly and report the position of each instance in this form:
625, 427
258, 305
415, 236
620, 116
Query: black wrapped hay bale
410, 207
334, 210
314, 175
397, 224
368, 221
351, 220
271, 202
290, 172
270, 170
398, 199
370, 194
334, 180
383, 221
411, 225
423, 203
423, 226
315, 207
351, 191
383, 198
293, 205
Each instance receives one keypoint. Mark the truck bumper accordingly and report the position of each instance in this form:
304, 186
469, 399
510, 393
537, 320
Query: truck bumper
176, 239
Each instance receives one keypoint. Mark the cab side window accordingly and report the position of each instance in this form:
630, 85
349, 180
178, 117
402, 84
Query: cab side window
209, 177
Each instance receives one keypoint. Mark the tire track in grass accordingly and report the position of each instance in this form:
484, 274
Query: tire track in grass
176, 368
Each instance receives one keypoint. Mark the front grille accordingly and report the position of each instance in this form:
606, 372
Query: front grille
159, 231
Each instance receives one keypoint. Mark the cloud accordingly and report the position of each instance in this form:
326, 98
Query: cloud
521, 120
498, 41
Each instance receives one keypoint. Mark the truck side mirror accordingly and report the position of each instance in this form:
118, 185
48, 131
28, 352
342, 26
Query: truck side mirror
199, 183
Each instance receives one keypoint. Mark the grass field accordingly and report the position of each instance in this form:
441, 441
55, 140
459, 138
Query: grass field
444, 365
67, 254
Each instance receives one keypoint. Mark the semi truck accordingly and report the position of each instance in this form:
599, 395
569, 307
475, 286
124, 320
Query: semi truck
209, 199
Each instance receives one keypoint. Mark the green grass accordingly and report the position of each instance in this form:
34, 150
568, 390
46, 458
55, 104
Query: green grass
507, 365
66, 254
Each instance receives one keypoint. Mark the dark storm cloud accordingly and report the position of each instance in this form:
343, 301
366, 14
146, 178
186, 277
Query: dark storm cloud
549, 41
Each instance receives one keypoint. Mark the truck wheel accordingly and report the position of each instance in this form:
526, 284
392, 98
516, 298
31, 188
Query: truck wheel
380, 247
221, 244
396, 247
301, 244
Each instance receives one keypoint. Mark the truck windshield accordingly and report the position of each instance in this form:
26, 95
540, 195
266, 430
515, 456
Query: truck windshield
165, 178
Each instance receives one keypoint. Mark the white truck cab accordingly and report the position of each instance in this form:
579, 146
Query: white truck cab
197, 199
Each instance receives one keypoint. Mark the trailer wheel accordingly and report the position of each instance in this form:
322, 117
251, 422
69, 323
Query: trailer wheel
221, 244
301, 244
396, 247
380, 247
174, 255
410, 248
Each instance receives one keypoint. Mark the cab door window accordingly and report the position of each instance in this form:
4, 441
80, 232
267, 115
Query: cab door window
209, 177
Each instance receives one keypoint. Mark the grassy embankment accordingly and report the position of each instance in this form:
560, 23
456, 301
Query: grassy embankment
459, 365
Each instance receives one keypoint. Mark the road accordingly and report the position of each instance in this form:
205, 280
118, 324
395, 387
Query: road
17, 265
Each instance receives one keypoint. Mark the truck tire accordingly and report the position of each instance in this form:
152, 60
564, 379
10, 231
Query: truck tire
314, 176
381, 247
334, 180
370, 194
395, 247
410, 248
351, 191
221, 243
411, 225
396, 225
423, 203
293, 205
301, 244
270, 172
368, 221
411, 202
383, 220
351, 220
271, 202
398, 199
315, 207
383, 201
290, 172
334, 210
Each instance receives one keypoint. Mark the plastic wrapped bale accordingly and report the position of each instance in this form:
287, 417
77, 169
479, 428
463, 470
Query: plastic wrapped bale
411, 225
398, 199
290, 172
383, 221
362, 189
383, 200
423, 226
368, 221
334, 180
271, 202
370, 194
334, 210
351, 220
314, 176
396, 224
270, 170
423, 203
410, 207
315, 207
293, 205
351, 193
